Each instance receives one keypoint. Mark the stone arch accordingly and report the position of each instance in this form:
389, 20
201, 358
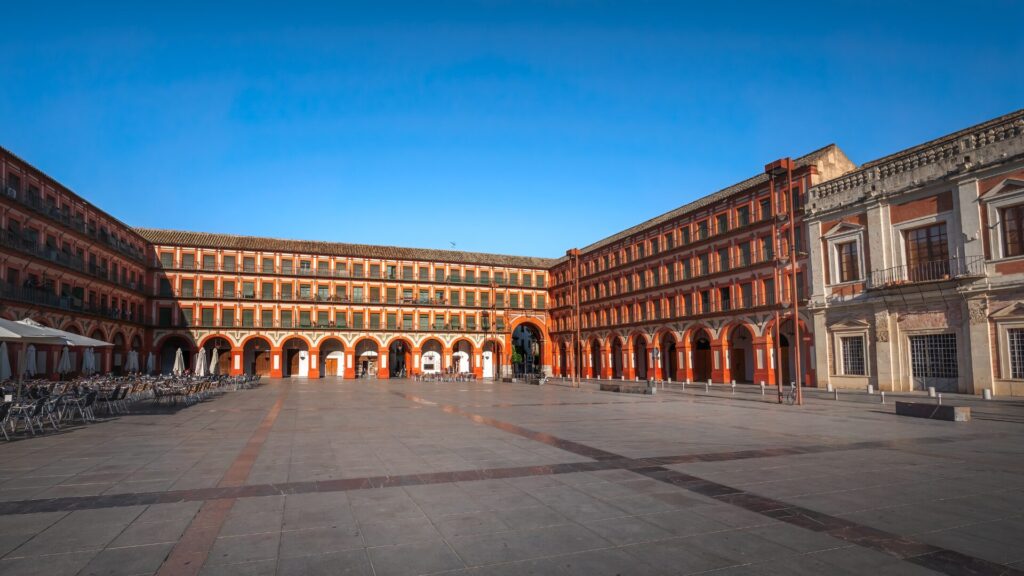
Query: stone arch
617, 349
295, 356
257, 357
431, 356
223, 345
668, 354
738, 340
206, 339
367, 355
72, 327
400, 350
169, 346
462, 351
331, 356
491, 357
700, 340
596, 357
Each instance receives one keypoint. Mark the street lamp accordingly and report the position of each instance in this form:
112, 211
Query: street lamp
778, 169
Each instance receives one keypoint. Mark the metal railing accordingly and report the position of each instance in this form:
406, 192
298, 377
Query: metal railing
48, 210
45, 297
932, 271
316, 325
31, 246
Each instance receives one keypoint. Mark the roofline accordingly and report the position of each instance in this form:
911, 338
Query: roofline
539, 263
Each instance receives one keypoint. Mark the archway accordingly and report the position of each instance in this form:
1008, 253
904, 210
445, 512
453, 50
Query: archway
223, 347
741, 354
640, 356
399, 358
669, 356
462, 357
563, 359
491, 358
701, 349
432, 355
120, 353
295, 358
528, 349
367, 356
616, 357
256, 356
332, 357
169, 349
595, 359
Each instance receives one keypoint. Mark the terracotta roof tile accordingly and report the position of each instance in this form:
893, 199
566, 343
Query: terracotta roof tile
258, 243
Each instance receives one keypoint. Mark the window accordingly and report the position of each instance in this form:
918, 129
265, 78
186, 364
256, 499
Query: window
746, 295
723, 259
702, 230
767, 251
266, 318
167, 260
1016, 341
424, 273
769, 291
374, 270
357, 320
743, 215
229, 263
1013, 230
705, 302
209, 262
927, 253
933, 356
268, 265
852, 355
847, 261
722, 224
286, 318
439, 275
286, 266
188, 261
724, 298
744, 254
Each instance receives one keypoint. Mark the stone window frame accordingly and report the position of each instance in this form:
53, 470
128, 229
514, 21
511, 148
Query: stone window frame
995, 201
1003, 340
838, 369
832, 241
899, 238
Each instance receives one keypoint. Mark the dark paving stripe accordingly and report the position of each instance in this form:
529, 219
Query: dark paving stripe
190, 553
905, 548
908, 549
567, 445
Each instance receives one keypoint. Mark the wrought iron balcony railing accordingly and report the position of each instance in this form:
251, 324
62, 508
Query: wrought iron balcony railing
931, 271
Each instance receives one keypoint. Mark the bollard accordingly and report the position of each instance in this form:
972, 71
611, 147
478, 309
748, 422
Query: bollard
871, 389
733, 386
986, 394
706, 385
762, 387
883, 396
931, 391
939, 396
835, 394
828, 387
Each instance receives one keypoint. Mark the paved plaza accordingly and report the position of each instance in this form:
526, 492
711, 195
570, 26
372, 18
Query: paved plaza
400, 478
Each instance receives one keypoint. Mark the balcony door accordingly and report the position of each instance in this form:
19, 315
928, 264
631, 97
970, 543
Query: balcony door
927, 253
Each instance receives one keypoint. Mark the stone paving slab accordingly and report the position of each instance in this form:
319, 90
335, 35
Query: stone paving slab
398, 477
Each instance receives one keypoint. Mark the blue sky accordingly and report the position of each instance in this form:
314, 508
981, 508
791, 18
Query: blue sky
510, 127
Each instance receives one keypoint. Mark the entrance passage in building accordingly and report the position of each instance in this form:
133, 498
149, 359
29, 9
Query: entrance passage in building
491, 358
701, 349
256, 357
366, 359
527, 349
332, 358
398, 359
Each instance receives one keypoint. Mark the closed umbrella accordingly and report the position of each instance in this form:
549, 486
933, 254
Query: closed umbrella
150, 363
215, 362
201, 367
5, 363
64, 364
179, 363
30, 361
88, 362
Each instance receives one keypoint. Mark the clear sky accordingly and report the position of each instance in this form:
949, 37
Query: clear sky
511, 127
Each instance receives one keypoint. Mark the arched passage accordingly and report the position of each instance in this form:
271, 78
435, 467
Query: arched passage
223, 347
669, 356
432, 355
563, 359
294, 357
120, 352
462, 357
700, 347
256, 356
169, 349
399, 358
741, 354
616, 357
491, 359
595, 359
528, 349
640, 356
332, 357
367, 357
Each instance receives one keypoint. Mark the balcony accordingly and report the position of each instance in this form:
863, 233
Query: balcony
933, 271
45, 297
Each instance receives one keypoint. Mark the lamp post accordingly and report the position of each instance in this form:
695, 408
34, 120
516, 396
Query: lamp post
656, 356
777, 169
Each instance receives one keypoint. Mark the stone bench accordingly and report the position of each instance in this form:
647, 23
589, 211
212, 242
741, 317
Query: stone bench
628, 388
934, 411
